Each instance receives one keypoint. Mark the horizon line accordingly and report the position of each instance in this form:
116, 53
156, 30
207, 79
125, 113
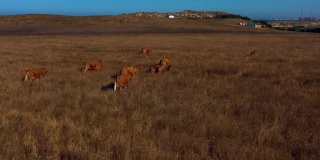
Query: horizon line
123, 13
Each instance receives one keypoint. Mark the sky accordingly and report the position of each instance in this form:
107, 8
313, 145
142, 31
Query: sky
254, 9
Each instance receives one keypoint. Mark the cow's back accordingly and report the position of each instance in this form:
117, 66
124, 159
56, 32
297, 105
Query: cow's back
146, 50
130, 70
35, 73
92, 65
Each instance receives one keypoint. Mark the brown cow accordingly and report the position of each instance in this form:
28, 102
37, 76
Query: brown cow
125, 77
32, 74
122, 81
92, 65
131, 70
146, 50
164, 63
253, 53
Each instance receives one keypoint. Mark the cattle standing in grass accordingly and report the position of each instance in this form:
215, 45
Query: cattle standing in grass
92, 65
122, 81
146, 50
253, 53
32, 74
130, 70
126, 75
164, 63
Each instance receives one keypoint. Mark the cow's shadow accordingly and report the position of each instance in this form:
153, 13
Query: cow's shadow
108, 87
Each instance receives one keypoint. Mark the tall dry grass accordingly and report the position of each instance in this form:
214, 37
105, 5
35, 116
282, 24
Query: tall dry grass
216, 103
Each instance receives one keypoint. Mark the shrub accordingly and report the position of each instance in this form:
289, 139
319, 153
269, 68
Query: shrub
232, 16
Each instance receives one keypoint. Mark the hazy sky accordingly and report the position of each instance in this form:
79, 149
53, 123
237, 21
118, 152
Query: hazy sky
254, 9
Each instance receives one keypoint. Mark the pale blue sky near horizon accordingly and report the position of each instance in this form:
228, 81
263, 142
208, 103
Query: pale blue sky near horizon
254, 9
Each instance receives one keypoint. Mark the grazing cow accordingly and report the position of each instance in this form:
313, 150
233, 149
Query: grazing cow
122, 81
92, 65
164, 63
253, 53
146, 50
131, 70
125, 77
32, 74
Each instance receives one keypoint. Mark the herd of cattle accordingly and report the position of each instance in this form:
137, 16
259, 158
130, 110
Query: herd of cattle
121, 81
126, 73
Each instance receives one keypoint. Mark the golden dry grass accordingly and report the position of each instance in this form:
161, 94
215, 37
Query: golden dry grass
216, 103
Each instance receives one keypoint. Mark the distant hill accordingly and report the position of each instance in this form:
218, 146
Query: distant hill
132, 23
189, 14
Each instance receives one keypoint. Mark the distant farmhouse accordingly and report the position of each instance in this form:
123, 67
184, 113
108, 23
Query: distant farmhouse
252, 24
243, 24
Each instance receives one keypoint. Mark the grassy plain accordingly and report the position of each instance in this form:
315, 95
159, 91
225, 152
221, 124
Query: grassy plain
216, 103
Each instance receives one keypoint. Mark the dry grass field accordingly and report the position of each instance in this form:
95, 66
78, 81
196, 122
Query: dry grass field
217, 102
